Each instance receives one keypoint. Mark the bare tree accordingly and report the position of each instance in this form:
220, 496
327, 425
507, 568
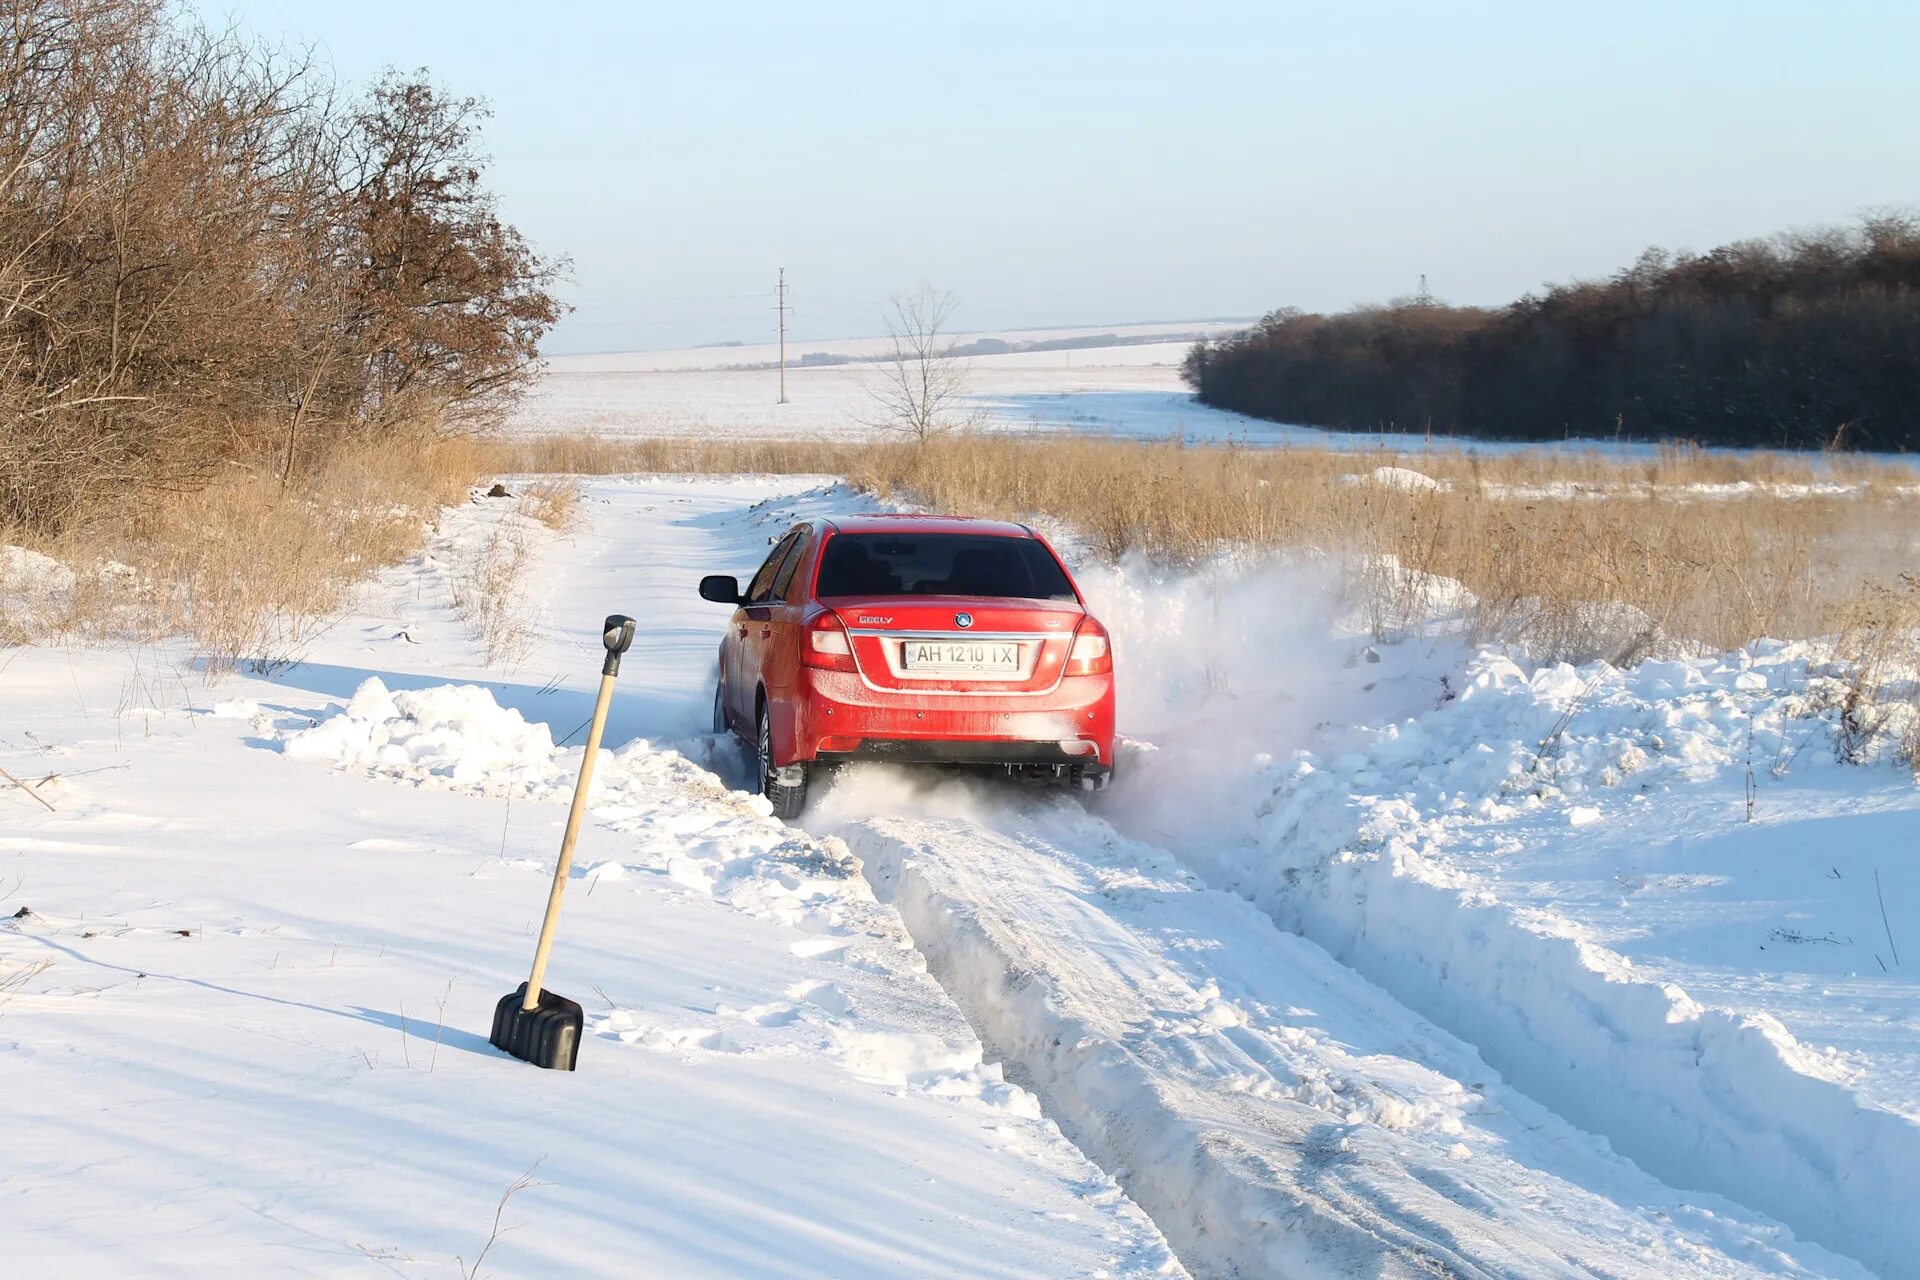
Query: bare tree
921, 390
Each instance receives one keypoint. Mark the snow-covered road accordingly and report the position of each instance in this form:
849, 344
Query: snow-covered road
1275, 1113
1140, 1026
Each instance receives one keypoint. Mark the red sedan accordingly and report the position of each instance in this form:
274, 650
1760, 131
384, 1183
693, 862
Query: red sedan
914, 638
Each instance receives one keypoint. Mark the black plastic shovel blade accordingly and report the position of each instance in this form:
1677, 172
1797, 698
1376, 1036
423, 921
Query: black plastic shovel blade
547, 1037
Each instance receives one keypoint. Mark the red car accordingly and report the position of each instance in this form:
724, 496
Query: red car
914, 638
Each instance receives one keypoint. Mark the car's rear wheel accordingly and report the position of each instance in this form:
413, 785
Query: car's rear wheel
785, 786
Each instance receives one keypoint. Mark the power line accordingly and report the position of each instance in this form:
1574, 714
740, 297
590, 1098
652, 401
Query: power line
781, 307
686, 297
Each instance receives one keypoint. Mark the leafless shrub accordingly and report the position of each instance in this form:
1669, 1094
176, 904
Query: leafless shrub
920, 391
486, 589
207, 260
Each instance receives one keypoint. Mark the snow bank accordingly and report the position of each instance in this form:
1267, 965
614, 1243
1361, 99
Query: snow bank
26, 572
1405, 479
1347, 845
1275, 1112
455, 735
32, 586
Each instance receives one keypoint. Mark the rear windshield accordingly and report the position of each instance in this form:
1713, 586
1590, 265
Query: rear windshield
941, 564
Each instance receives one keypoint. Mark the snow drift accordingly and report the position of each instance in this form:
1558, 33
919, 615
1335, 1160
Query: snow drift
1418, 746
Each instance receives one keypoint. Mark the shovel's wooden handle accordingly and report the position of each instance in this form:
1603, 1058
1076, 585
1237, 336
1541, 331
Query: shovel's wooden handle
565, 865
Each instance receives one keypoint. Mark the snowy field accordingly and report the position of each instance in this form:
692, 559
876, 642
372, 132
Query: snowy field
1396, 960
1123, 392
1128, 391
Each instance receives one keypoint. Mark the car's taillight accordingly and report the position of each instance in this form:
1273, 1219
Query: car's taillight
1092, 654
827, 646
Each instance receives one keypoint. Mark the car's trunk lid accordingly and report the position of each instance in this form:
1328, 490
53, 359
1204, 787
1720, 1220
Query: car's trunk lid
948, 644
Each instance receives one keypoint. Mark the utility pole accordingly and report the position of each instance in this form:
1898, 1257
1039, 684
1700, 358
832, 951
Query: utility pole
782, 308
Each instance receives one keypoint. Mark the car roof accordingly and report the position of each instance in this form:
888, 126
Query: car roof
889, 522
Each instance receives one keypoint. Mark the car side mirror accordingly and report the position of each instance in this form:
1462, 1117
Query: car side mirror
720, 588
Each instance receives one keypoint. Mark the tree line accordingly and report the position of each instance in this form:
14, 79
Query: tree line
211, 254
1806, 340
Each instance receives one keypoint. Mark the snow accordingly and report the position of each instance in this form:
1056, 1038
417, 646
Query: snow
1554, 865
1096, 392
279, 912
25, 572
1141, 351
1380, 958
1239, 1079
1404, 479
33, 586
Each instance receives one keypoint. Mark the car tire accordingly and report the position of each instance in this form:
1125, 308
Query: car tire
787, 797
720, 724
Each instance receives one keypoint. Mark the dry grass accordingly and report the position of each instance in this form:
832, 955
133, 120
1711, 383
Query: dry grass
1877, 691
1663, 563
553, 501
249, 571
590, 455
1574, 555
486, 588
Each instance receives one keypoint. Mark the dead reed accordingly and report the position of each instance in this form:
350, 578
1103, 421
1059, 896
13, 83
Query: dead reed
1576, 555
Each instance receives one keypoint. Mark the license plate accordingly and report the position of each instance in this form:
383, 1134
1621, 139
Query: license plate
962, 657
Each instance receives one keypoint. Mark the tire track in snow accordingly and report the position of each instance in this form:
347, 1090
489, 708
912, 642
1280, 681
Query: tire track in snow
1272, 1111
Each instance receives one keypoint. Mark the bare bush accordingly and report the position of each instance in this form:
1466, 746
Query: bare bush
486, 590
920, 391
206, 259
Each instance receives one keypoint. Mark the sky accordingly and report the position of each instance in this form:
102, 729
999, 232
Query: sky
1072, 163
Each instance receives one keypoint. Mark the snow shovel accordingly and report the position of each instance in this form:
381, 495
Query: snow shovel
534, 1024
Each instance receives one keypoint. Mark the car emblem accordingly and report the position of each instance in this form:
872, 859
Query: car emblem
962, 619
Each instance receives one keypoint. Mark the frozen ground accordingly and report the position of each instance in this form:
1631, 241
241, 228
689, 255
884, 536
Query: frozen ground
1391, 961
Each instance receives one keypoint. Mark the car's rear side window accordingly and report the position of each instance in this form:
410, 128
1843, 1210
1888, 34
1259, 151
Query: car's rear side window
760, 590
941, 564
783, 579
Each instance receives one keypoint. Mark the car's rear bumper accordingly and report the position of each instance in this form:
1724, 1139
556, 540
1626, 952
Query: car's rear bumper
964, 751
837, 716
